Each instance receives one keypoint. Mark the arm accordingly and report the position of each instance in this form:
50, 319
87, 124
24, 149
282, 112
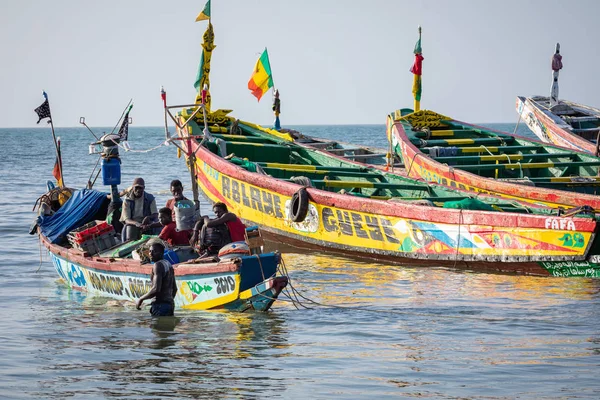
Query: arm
174, 289
151, 221
197, 228
126, 216
156, 284
227, 217
165, 233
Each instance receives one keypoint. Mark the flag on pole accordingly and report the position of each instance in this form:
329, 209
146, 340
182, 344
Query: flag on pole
417, 70
205, 14
261, 80
43, 111
200, 72
57, 170
124, 129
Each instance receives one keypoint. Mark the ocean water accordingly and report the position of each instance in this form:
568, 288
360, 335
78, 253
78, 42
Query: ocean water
371, 330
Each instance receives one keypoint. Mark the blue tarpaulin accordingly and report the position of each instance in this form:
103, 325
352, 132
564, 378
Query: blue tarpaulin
77, 211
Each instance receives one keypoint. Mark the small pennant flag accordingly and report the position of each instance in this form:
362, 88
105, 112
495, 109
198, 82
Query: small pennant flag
124, 129
57, 171
43, 111
417, 70
205, 14
261, 80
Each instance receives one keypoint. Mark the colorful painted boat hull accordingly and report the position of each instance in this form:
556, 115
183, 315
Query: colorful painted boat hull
248, 283
551, 128
420, 165
399, 232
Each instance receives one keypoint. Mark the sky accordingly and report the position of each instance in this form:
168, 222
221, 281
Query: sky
334, 62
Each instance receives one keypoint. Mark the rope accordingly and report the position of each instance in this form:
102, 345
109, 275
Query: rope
460, 215
516, 126
294, 299
262, 272
40, 244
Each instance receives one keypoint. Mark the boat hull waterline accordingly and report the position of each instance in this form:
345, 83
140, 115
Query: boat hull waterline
365, 227
230, 285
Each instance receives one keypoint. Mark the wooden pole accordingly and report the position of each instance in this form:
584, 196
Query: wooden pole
58, 157
555, 70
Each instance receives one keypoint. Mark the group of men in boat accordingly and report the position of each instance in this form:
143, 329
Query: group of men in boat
139, 215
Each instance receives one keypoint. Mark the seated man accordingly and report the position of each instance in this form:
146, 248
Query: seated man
177, 192
169, 232
237, 229
139, 212
212, 234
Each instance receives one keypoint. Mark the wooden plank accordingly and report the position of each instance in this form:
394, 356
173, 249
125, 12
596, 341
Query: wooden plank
354, 173
460, 142
309, 167
367, 155
505, 157
484, 167
365, 184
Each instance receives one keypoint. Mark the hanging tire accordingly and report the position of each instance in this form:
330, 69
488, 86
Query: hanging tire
299, 206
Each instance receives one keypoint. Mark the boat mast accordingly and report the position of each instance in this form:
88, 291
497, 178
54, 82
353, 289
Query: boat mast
556, 67
203, 98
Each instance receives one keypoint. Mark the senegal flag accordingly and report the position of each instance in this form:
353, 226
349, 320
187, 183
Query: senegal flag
205, 14
261, 79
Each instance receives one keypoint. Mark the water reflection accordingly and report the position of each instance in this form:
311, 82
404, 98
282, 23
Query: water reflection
338, 279
99, 348
164, 330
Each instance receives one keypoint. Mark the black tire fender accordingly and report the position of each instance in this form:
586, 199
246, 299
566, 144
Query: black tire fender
299, 205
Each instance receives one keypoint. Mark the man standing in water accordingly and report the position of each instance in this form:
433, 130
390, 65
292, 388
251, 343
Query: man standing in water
163, 288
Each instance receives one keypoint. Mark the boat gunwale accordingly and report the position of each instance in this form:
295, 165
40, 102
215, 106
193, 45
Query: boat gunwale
412, 152
109, 264
561, 129
385, 208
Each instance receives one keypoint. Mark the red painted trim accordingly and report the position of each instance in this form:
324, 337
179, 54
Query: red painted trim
383, 208
133, 266
414, 157
566, 136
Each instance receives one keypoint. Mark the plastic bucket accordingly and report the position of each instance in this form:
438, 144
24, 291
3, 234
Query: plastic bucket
185, 215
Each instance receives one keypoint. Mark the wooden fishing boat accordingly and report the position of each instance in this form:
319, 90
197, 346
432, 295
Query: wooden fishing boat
566, 124
440, 149
238, 283
561, 122
309, 198
349, 151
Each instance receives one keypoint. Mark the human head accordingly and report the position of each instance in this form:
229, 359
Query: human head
219, 209
164, 216
138, 187
177, 189
157, 249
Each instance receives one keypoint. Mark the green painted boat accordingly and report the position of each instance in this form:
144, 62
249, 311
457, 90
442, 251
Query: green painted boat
310, 198
441, 149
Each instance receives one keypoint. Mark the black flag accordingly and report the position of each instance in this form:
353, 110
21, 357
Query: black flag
124, 129
43, 111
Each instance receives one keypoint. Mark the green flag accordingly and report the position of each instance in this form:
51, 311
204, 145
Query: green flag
205, 14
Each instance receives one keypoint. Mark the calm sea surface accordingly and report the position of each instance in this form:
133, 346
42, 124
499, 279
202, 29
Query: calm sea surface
388, 331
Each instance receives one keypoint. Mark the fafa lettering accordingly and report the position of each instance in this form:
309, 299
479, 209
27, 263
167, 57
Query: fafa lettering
560, 224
